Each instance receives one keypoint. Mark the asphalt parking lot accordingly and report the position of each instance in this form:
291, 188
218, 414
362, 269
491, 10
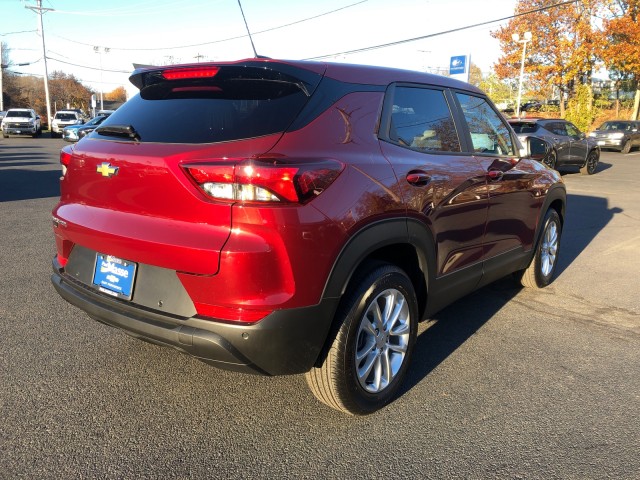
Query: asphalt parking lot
506, 383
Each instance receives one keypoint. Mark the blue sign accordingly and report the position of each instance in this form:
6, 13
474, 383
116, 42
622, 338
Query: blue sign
458, 65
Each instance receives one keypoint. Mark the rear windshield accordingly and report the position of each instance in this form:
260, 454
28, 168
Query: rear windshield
523, 127
224, 108
65, 116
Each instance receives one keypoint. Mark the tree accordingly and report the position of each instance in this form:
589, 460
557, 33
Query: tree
65, 90
622, 31
563, 51
119, 94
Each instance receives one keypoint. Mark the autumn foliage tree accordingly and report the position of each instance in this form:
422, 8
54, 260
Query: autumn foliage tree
119, 94
622, 31
66, 91
564, 49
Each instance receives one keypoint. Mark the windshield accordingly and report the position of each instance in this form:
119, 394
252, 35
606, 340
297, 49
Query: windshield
19, 114
615, 126
65, 116
96, 120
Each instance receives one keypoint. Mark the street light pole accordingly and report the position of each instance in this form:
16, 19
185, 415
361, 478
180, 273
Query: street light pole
99, 51
516, 38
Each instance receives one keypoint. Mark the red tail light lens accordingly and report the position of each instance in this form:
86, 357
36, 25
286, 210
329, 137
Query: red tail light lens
187, 73
265, 180
65, 158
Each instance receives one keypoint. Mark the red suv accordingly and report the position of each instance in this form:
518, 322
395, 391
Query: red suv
285, 217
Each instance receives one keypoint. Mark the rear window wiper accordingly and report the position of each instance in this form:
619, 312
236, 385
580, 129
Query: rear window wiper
124, 131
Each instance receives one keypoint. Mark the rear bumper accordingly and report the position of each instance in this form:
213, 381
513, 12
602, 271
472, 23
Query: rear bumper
285, 342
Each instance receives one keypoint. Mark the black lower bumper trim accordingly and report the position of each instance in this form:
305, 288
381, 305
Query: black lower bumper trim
285, 342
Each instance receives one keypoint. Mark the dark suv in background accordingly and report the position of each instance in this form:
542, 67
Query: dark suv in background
621, 135
570, 147
300, 217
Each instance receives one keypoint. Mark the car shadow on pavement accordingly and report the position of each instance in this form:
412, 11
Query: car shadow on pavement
569, 170
17, 184
450, 328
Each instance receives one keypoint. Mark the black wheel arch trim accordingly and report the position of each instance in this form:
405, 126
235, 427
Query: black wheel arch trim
381, 235
557, 194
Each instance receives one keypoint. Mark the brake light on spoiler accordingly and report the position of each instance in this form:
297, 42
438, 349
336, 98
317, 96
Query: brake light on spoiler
188, 73
264, 180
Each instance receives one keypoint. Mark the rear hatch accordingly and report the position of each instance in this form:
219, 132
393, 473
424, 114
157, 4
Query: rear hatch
126, 191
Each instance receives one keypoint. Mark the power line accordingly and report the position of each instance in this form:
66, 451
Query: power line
224, 39
15, 33
85, 66
459, 29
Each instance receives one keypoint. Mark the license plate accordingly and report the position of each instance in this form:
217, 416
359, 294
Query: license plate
18, 131
114, 276
601, 142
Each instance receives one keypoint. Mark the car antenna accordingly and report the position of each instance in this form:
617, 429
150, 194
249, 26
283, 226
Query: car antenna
248, 32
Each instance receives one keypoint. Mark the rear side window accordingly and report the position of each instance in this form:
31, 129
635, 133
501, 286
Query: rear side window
557, 128
489, 134
224, 108
421, 120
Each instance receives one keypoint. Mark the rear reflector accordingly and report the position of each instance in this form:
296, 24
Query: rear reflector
265, 180
186, 73
231, 313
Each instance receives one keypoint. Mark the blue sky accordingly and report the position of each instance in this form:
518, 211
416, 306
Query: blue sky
173, 31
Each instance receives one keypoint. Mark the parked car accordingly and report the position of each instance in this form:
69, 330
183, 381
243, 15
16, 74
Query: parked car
21, 121
300, 217
531, 106
570, 145
64, 118
71, 133
621, 135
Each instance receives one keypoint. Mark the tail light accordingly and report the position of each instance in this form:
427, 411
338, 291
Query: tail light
65, 158
265, 180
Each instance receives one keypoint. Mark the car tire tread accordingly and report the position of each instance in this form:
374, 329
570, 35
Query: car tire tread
333, 382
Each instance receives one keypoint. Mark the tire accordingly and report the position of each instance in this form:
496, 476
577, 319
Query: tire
591, 164
369, 356
551, 159
543, 265
627, 147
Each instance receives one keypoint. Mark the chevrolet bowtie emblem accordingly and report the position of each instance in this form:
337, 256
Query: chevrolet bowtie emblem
106, 170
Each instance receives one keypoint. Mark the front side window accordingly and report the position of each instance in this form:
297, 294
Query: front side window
489, 134
421, 120
573, 130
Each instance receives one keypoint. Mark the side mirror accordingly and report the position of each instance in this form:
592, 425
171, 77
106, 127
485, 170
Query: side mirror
536, 148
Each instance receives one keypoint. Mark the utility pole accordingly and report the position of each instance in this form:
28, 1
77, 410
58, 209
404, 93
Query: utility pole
1, 75
40, 10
